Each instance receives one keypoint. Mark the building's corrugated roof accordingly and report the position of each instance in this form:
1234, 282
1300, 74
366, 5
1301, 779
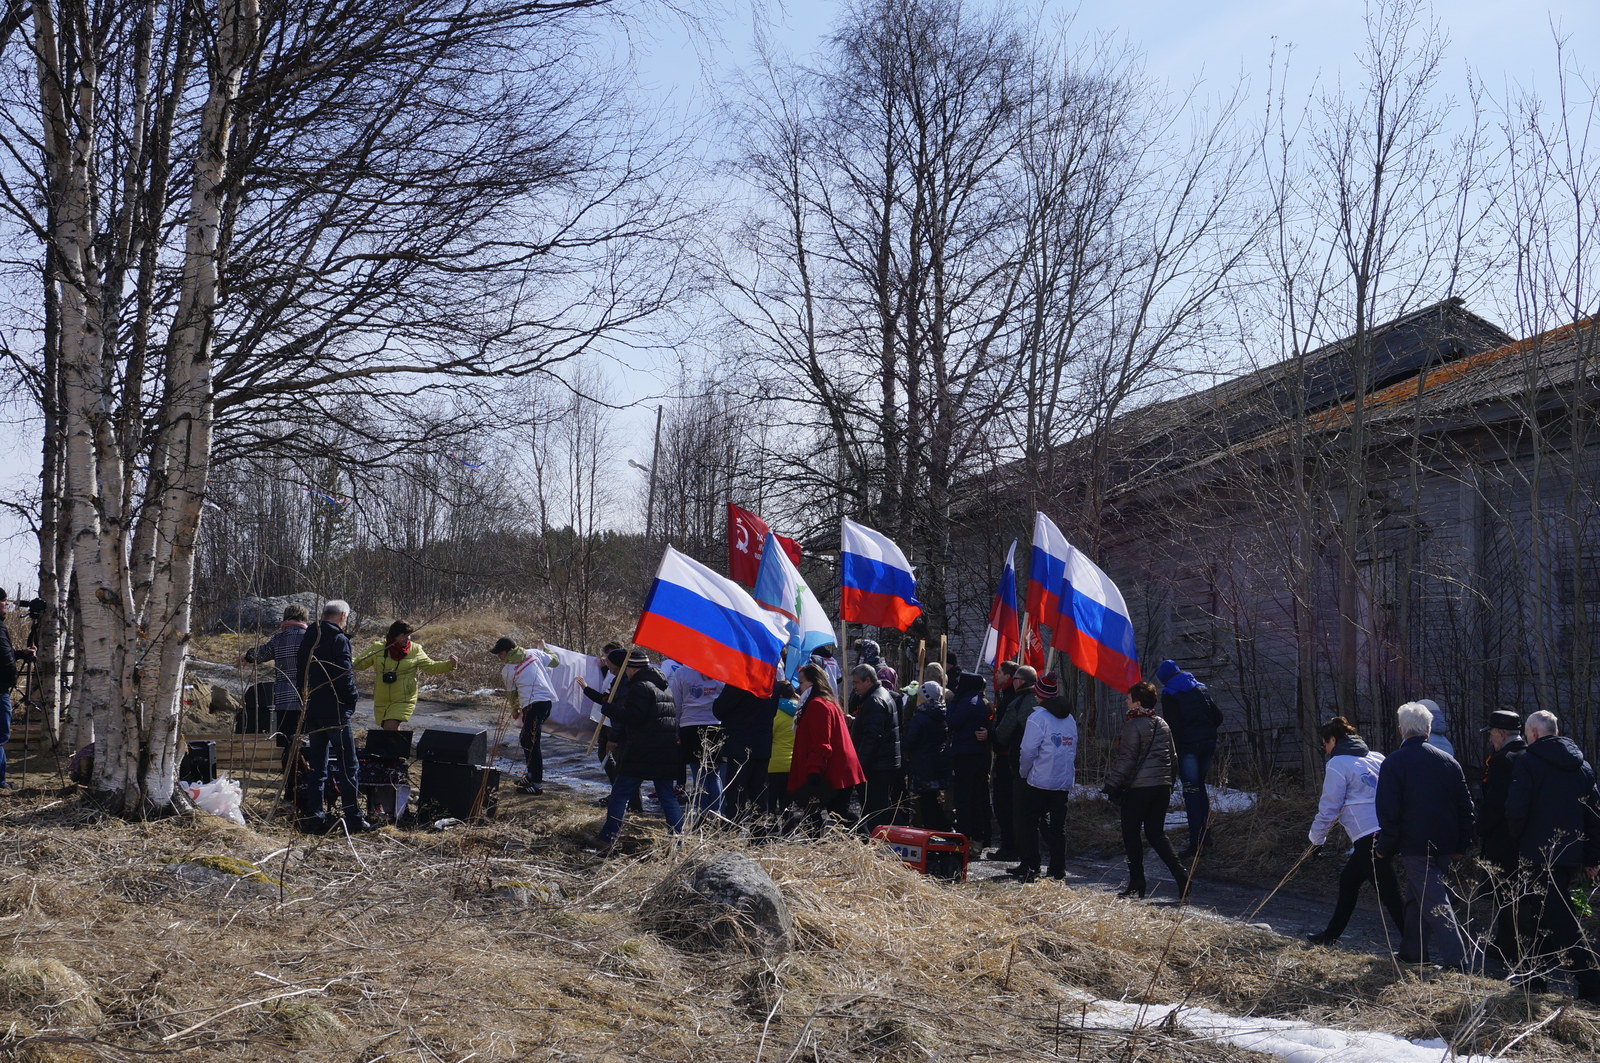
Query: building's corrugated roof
1179, 434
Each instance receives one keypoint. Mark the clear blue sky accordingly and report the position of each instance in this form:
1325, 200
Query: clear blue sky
1219, 41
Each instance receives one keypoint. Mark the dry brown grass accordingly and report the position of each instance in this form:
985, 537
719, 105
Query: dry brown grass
409, 946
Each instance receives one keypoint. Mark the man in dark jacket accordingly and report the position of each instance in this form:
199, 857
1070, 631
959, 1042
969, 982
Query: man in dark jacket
1496, 843
1553, 810
875, 730
644, 745
1425, 816
1194, 719
323, 670
746, 720
1009, 721
968, 721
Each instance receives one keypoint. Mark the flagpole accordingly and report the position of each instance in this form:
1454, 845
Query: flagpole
611, 697
1022, 638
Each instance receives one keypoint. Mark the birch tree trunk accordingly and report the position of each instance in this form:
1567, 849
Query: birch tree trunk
183, 446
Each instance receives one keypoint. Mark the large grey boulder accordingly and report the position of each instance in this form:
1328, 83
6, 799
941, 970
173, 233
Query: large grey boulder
264, 614
726, 901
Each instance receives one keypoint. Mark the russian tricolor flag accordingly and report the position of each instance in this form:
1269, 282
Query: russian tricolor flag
876, 584
709, 623
1096, 632
1047, 574
1003, 641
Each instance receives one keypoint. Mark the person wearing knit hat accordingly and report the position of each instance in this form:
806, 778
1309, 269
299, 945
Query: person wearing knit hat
927, 756
1194, 719
612, 658
643, 742
1046, 761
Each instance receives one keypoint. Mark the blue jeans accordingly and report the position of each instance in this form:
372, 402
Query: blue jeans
5, 731
624, 789
331, 740
1192, 771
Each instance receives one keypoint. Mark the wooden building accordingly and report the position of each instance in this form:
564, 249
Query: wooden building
1476, 536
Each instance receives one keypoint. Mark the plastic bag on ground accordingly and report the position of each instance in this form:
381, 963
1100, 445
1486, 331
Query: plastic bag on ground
222, 797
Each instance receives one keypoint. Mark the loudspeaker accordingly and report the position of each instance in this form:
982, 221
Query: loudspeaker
199, 763
256, 716
453, 789
388, 745
453, 745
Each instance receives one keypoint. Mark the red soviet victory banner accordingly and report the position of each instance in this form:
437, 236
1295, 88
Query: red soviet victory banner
746, 534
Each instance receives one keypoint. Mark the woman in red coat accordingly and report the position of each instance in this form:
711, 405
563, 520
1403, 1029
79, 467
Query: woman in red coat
825, 769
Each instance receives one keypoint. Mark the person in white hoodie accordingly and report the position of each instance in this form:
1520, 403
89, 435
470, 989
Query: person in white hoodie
526, 674
1046, 760
1348, 792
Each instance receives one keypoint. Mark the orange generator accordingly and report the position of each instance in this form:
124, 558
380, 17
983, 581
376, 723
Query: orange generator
940, 853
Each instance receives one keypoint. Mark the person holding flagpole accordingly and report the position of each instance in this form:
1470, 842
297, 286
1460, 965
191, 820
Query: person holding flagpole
644, 743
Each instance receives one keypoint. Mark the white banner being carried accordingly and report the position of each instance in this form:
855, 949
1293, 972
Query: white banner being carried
571, 710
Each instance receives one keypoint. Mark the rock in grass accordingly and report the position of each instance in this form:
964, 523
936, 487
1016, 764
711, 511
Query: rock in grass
722, 902
223, 874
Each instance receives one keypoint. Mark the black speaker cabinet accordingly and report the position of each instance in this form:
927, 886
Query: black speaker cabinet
454, 790
388, 745
453, 745
199, 763
256, 716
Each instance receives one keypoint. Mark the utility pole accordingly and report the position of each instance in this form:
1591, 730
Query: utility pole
650, 504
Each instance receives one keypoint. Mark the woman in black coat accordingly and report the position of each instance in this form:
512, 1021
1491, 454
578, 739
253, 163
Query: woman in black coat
927, 755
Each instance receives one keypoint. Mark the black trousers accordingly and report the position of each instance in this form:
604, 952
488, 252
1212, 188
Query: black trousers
930, 810
745, 792
534, 714
1145, 809
1005, 782
969, 793
880, 799
1361, 868
1043, 810
1555, 933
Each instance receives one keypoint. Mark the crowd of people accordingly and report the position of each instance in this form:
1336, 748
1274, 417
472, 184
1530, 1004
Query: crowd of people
1536, 819
863, 750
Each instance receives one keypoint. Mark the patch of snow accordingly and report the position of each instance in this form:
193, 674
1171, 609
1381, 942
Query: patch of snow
1291, 1041
483, 692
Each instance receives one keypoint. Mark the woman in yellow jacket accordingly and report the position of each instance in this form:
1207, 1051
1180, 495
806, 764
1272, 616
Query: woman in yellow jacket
398, 660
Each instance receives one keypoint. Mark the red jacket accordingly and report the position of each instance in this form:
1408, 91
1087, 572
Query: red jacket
822, 746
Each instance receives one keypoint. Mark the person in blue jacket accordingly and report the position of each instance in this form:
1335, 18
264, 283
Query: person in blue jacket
1194, 719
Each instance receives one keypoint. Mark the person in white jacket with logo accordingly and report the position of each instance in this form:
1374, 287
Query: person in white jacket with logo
1047, 759
526, 674
1348, 792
